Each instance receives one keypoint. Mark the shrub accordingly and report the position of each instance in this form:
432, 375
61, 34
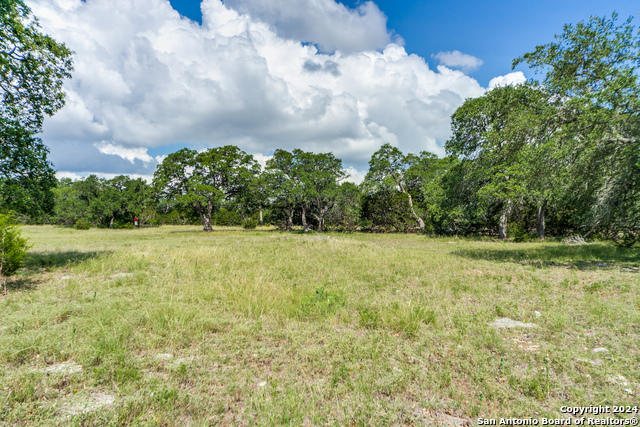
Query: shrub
13, 247
250, 223
519, 233
82, 224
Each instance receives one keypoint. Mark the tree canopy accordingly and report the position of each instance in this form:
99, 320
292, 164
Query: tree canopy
33, 67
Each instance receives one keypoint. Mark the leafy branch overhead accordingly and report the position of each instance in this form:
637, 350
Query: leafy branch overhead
33, 68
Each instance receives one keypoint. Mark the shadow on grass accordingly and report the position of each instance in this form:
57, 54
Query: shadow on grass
27, 280
583, 257
48, 260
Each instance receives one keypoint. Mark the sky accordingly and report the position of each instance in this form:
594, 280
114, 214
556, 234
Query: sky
153, 76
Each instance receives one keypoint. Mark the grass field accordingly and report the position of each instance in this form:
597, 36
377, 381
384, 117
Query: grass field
173, 326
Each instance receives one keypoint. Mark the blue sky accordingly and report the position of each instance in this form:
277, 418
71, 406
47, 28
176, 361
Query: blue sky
496, 31
321, 76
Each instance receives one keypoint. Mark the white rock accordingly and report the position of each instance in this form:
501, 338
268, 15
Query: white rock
600, 350
115, 276
537, 314
509, 323
94, 402
164, 356
262, 384
64, 368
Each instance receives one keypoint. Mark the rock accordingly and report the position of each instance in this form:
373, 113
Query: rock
595, 362
115, 276
601, 264
505, 322
64, 368
537, 314
262, 384
600, 350
618, 379
92, 403
164, 356
65, 278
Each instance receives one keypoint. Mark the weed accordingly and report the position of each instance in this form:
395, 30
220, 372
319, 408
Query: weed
321, 303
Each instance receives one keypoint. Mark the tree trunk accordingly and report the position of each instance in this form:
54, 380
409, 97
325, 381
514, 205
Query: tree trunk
261, 223
304, 217
540, 225
414, 214
111, 222
290, 218
502, 228
205, 217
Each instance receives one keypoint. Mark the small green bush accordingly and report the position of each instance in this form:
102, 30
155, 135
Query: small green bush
82, 224
250, 224
519, 233
13, 247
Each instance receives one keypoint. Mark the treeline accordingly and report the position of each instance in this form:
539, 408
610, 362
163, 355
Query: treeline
557, 157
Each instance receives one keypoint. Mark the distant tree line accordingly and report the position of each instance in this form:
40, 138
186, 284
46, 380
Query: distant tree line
556, 157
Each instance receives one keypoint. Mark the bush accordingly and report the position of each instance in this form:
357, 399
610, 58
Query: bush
82, 224
250, 224
13, 247
519, 233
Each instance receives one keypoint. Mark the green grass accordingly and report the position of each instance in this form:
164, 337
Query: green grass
269, 328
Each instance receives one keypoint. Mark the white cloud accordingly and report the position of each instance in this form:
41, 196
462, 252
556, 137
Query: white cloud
511, 79
457, 59
130, 154
330, 25
75, 176
262, 159
356, 176
162, 80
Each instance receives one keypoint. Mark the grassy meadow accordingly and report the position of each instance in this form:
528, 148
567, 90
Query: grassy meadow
172, 326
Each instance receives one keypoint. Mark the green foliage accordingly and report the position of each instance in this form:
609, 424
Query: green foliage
385, 211
82, 224
389, 173
519, 233
592, 73
369, 317
107, 203
321, 302
226, 217
202, 181
13, 247
33, 67
305, 181
345, 215
250, 223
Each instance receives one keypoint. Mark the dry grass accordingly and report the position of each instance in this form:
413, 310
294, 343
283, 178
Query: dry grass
172, 326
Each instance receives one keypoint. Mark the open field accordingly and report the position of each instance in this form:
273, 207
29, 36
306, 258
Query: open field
172, 326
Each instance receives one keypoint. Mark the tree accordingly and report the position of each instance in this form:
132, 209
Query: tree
13, 248
304, 180
387, 168
283, 182
203, 180
33, 67
346, 211
593, 71
319, 176
504, 139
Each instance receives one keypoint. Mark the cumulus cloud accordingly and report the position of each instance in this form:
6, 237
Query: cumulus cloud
330, 25
511, 79
130, 154
457, 59
161, 80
